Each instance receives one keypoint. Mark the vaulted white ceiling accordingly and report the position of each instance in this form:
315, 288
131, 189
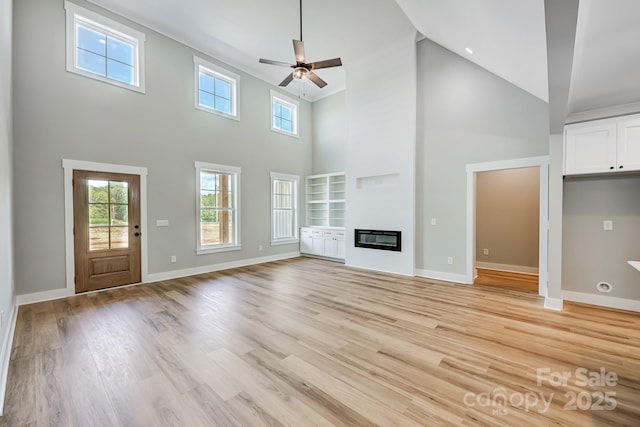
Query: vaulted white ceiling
507, 37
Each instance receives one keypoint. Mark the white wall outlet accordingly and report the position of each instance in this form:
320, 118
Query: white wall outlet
485, 251
162, 222
434, 221
607, 225
450, 260
259, 247
174, 258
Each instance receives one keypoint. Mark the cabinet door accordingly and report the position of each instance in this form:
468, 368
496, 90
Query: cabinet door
330, 248
628, 145
340, 245
317, 244
590, 149
306, 241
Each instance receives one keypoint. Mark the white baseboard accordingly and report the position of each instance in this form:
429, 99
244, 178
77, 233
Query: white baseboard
43, 296
5, 355
439, 275
376, 269
553, 304
602, 300
168, 275
157, 277
506, 267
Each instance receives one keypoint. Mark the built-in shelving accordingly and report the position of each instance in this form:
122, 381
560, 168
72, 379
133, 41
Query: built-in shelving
326, 200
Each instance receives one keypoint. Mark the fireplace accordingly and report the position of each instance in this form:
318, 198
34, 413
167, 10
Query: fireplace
385, 240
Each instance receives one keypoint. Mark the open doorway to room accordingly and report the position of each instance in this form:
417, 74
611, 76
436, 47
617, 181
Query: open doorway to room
508, 228
505, 259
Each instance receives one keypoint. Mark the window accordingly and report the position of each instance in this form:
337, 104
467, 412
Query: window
216, 89
284, 208
284, 114
103, 49
218, 194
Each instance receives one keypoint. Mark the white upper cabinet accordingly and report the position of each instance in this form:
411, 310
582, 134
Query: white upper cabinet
602, 146
629, 145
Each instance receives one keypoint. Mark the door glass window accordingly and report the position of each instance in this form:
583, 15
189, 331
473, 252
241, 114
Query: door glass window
108, 215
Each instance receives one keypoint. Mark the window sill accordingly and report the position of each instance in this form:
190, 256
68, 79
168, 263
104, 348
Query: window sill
205, 251
139, 89
284, 242
217, 113
282, 132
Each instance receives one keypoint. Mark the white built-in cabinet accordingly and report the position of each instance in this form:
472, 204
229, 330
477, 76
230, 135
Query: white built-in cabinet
322, 242
326, 209
602, 146
326, 205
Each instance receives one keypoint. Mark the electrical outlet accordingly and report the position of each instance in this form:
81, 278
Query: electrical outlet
259, 247
174, 258
434, 221
450, 260
607, 225
485, 251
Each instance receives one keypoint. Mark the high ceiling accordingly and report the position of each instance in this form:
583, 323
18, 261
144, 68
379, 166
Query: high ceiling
507, 37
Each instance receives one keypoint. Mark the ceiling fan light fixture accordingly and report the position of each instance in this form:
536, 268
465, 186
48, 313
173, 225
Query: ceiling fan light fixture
301, 73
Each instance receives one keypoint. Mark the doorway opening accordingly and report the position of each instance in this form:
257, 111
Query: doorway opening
503, 271
507, 228
105, 223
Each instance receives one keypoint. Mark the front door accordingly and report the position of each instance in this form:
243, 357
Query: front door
106, 217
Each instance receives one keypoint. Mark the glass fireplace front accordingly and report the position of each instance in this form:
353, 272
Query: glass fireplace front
379, 239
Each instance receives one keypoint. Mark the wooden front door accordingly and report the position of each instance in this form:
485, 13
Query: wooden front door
106, 217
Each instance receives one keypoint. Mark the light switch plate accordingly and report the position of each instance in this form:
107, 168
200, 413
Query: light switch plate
162, 223
607, 225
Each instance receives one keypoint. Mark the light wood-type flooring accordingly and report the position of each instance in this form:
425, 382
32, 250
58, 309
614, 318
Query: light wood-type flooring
307, 342
506, 278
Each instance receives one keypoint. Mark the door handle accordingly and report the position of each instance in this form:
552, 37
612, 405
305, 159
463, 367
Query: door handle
136, 234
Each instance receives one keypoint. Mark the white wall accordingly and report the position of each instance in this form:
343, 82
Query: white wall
63, 115
381, 110
330, 133
6, 182
466, 115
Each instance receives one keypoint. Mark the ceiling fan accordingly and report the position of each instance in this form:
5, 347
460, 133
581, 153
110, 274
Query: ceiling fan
301, 69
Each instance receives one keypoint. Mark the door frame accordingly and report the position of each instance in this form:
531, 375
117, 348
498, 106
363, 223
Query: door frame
69, 166
543, 255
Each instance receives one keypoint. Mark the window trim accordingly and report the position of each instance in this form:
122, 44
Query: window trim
75, 13
221, 74
296, 207
223, 247
289, 102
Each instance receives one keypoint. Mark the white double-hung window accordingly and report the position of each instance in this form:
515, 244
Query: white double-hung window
217, 207
103, 49
284, 208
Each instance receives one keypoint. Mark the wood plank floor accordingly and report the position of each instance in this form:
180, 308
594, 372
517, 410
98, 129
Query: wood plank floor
306, 342
492, 277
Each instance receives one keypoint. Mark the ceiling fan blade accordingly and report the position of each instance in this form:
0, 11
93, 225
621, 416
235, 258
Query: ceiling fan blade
317, 80
269, 61
335, 62
287, 80
298, 48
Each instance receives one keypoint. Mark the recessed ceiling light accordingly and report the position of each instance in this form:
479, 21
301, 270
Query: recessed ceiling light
468, 49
